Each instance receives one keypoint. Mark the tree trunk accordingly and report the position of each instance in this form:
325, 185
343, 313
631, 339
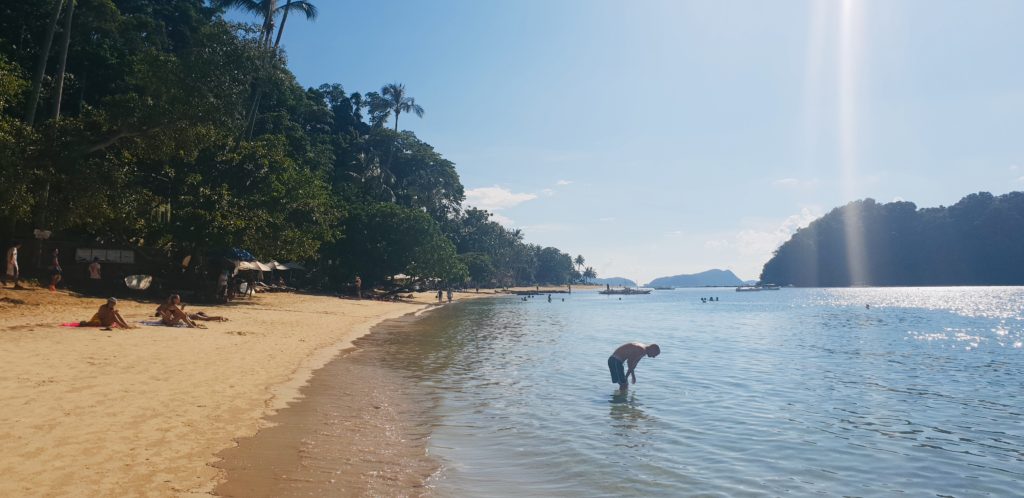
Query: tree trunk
66, 42
268, 23
284, 19
397, 112
44, 54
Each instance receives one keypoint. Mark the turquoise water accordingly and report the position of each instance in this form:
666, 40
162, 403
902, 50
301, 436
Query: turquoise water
792, 392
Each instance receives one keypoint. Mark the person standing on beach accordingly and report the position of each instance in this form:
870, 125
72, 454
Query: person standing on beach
13, 272
95, 276
440, 295
449, 294
630, 353
359, 287
56, 272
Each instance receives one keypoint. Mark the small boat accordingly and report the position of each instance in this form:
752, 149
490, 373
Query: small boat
625, 292
664, 288
756, 288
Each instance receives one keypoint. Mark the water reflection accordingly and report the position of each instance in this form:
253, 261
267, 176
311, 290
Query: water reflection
625, 411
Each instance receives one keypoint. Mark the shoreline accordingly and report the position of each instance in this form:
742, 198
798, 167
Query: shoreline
357, 428
143, 412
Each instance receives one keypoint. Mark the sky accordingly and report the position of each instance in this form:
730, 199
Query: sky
665, 137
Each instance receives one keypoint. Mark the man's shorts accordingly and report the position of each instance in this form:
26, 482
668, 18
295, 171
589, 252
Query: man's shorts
617, 369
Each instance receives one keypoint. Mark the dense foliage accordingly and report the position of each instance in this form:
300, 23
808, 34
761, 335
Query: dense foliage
977, 241
159, 124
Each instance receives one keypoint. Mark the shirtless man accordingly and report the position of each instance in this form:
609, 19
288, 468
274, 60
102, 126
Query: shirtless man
630, 353
108, 317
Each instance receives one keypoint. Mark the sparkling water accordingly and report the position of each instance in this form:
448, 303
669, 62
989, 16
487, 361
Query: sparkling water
839, 392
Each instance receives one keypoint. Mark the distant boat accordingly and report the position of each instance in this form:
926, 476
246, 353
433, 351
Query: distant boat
626, 291
664, 288
755, 288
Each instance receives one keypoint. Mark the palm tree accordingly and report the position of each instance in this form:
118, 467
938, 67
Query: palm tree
579, 261
267, 11
589, 274
63, 58
303, 6
398, 101
44, 54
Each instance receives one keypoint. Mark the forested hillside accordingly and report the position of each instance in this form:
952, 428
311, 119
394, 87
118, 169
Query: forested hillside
977, 241
158, 124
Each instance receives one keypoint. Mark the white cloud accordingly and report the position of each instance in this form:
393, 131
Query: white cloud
607, 219
494, 198
1015, 167
1020, 180
795, 183
760, 243
547, 192
562, 183
505, 221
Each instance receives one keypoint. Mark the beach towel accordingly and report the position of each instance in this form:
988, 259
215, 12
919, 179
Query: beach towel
157, 323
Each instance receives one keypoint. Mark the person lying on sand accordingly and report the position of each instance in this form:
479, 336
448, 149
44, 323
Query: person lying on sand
107, 317
171, 313
630, 353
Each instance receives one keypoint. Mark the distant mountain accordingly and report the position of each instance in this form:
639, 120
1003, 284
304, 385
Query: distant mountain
613, 281
723, 278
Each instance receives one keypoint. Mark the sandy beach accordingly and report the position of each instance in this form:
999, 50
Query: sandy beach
143, 412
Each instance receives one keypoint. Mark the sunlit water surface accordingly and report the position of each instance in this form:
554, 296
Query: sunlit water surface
791, 392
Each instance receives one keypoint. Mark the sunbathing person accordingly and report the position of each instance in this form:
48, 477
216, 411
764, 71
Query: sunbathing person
171, 313
107, 317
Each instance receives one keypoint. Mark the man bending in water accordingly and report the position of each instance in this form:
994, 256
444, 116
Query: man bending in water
630, 353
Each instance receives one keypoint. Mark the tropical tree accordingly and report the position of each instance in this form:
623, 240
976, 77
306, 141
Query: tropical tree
589, 274
63, 58
44, 54
398, 101
579, 262
304, 7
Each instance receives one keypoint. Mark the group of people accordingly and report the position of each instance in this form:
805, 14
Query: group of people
441, 294
13, 270
712, 299
171, 313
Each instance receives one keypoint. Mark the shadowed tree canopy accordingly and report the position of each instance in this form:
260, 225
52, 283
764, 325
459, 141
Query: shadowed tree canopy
977, 241
148, 152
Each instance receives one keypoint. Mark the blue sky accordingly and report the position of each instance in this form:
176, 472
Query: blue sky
666, 137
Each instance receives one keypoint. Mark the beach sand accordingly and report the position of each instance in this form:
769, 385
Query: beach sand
143, 412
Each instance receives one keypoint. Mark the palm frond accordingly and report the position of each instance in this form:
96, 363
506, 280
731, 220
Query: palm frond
304, 7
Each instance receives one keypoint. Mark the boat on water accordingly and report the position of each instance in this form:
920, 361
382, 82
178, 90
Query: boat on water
627, 291
756, 288
664, 288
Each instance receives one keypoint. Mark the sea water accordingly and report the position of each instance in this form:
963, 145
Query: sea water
837, 392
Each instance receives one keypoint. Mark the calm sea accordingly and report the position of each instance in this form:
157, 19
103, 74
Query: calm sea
792, 392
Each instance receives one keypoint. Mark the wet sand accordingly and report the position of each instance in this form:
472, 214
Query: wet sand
143, 412
361, 428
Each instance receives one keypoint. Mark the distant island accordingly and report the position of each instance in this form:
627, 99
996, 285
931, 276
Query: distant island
612, 281
977, 241
710, 278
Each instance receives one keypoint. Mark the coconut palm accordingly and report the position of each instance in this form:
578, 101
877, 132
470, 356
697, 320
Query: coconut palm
302, 6
44, 54
267, 11
398, 101
579, 261
63, 58
589, 274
